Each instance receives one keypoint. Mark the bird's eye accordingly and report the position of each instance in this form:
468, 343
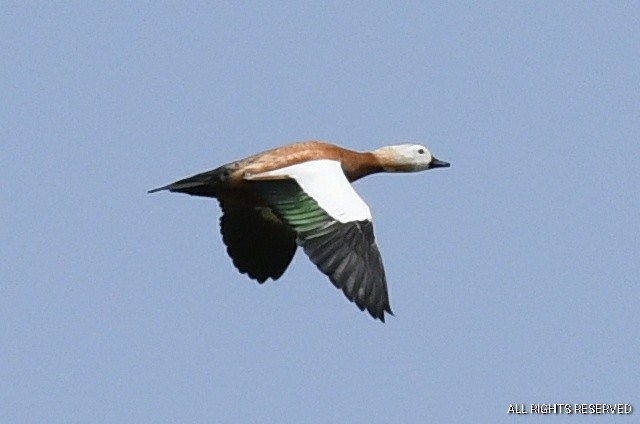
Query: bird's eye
421, 151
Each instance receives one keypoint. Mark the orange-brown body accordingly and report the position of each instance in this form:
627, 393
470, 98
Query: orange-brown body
354, 164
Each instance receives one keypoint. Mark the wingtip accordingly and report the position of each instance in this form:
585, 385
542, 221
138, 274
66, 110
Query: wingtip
380, 315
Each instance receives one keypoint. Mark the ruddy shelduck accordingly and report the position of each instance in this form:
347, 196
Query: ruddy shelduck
300, 195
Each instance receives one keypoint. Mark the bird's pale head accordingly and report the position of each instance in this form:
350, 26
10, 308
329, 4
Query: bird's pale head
407, 158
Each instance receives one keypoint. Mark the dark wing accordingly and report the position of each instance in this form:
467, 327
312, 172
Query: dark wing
259, 244
345, 251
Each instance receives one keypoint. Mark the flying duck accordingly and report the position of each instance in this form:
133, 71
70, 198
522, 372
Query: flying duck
300, 195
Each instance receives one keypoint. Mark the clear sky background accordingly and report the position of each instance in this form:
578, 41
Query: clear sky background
513, 274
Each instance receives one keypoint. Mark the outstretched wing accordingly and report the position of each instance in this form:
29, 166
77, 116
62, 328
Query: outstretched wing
259, 244
333, 225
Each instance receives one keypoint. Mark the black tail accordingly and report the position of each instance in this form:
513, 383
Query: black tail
158, 189
204, 184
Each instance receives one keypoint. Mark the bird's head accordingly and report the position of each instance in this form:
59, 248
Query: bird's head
407, 158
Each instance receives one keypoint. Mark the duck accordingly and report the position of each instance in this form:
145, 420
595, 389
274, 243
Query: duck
300, 195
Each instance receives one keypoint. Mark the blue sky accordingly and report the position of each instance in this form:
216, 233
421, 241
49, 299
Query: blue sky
513, 274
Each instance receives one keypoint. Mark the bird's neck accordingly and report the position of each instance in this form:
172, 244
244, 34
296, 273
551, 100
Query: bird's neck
357, 164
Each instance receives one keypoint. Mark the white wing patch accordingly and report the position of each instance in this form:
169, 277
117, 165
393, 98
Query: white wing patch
325, 182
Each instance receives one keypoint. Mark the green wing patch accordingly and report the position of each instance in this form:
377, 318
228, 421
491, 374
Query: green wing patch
295, 207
